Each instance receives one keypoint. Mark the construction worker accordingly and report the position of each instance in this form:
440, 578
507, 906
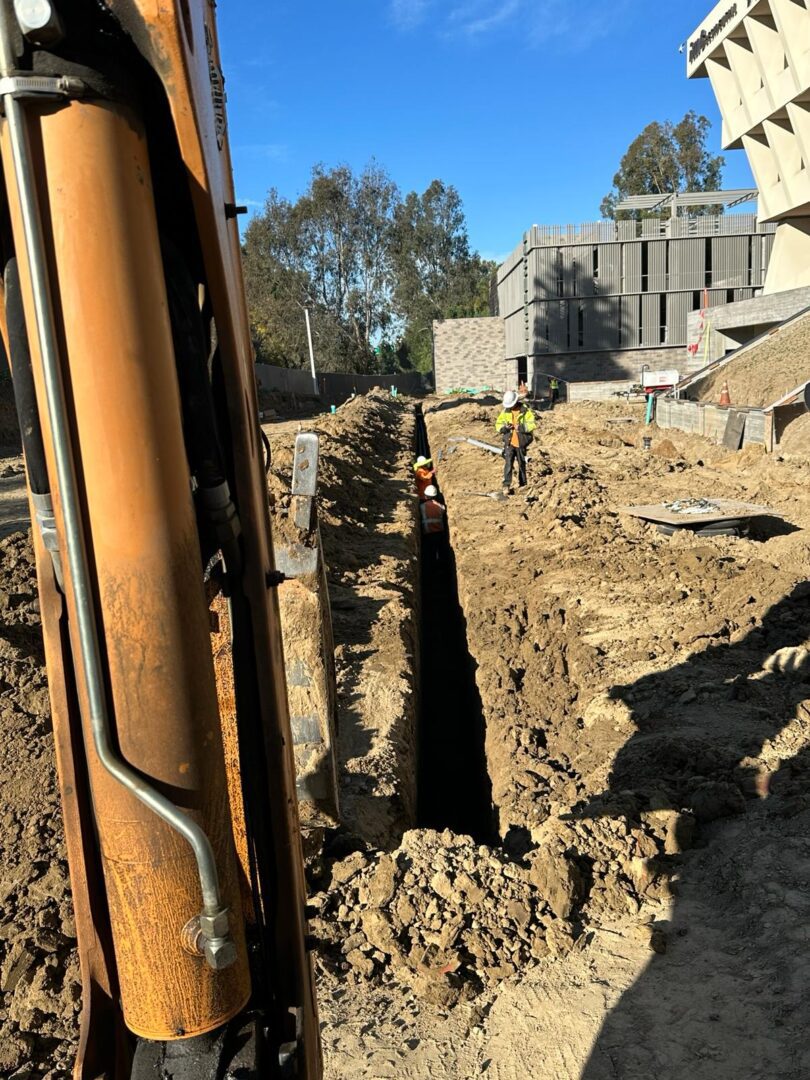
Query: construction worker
425, 475
433, 516
432, 513
516, 425
554, 390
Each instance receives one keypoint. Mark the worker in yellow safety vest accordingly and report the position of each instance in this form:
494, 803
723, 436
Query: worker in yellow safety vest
554, 390
516, 425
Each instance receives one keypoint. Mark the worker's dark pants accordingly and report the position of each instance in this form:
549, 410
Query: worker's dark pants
511, 455
555, 397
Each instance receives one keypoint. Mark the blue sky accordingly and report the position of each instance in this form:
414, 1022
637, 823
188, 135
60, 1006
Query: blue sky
526, 106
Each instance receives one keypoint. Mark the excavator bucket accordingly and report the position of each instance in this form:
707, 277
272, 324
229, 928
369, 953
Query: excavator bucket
125, 322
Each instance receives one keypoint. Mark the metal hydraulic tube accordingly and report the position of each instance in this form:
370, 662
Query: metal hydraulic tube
104, 366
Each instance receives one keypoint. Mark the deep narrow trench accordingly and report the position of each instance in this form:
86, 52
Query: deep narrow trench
455, 791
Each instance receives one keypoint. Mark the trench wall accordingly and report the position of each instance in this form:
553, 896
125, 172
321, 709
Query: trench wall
368, 520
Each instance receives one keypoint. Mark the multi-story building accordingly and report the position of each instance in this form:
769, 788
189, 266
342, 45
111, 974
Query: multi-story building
602, 301
757, 55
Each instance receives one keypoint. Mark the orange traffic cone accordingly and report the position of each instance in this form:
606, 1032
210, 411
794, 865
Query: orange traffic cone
725, 396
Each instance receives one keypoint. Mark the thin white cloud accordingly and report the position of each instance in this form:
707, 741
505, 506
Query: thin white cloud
495, 256
573, 24
474, 19
408, 14
266, 151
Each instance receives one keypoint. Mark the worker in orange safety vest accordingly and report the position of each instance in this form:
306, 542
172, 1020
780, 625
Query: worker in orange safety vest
432, 513
434, 518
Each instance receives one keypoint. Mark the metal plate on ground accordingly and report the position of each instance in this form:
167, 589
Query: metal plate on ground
735, 429
722, 510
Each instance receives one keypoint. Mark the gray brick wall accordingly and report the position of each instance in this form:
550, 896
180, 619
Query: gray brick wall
623, 364
469, 352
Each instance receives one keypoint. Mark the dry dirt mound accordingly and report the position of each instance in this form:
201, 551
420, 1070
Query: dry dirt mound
39, 977
767, 371
367, 512
452, 918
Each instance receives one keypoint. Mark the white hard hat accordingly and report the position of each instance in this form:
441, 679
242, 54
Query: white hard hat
510, 399
431, 492
420, 461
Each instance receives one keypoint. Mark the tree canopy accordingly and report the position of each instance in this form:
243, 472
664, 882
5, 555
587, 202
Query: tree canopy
667, 158
374, 269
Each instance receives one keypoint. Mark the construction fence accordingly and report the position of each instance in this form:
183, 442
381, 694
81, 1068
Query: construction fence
333, 387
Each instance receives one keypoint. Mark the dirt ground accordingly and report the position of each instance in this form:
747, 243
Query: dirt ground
368, 525
640, 906
647, 733
368, 522
766, 372
39, 987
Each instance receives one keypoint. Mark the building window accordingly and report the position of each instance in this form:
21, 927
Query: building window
645, 266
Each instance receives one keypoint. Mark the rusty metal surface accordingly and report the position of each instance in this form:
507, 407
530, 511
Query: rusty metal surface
146, 557
184, 52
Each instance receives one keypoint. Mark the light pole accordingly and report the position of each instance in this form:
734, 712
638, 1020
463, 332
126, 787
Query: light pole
311, 352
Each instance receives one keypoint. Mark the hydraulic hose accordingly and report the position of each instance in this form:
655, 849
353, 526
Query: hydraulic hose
22, 375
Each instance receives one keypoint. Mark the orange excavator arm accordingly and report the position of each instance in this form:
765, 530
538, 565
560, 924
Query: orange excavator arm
126, 326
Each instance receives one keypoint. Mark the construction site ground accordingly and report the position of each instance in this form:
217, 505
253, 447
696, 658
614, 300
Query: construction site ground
636, 709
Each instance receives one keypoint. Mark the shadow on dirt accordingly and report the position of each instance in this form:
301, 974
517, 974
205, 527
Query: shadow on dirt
730, 996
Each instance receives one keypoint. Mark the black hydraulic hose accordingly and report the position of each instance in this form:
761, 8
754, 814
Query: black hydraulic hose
203, 446
22, 374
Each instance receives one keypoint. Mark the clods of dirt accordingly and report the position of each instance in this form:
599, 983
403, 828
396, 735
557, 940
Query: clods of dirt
39, 974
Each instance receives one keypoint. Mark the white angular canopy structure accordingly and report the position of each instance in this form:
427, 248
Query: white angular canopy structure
757, 55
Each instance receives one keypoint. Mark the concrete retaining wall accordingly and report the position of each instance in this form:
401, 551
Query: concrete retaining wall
334, 387
598, 367
721, 329
710, 421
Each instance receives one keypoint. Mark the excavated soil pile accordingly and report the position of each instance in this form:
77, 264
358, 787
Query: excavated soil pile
451, 918
766, 372
367, 512
587, 626
39, 976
